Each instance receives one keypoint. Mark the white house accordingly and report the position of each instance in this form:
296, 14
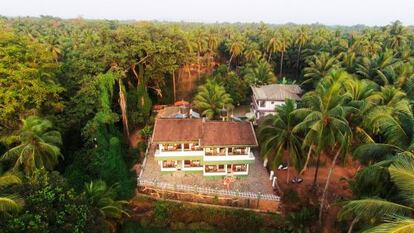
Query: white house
215, 148
266, 98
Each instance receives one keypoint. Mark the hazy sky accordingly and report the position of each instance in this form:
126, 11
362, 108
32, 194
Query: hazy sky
346, 12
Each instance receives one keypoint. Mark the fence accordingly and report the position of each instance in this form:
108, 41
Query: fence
206, 190
259, 197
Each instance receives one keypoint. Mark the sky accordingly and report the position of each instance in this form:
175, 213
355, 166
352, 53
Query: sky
330, 12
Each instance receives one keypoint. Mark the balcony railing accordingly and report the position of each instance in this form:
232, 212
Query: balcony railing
205, 190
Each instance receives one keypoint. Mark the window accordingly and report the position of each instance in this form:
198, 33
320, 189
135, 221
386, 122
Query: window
214, 168
239, 151
262, 104
169, 164
192, 163
239, 167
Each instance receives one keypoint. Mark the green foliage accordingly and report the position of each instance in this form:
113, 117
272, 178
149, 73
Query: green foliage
38, 146
28, 79
259, 73
211, 98
277, 136
300, 221
235, 86
50, 206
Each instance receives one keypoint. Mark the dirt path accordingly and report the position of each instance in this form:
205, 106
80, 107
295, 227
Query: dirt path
135, 137
338, 188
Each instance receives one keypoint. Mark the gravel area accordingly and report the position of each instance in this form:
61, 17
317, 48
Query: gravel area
256, 181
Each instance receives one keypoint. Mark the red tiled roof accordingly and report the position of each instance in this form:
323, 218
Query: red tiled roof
173, 130
210, 133
228, 133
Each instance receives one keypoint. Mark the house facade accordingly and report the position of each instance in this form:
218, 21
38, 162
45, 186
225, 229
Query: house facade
266, 98
215, 148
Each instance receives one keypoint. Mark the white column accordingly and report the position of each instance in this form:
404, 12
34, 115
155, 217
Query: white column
271, 175
274, 181
247, 169
265, 162
227, 152
248, 150
182, 147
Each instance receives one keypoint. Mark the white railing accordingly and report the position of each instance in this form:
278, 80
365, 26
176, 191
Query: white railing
206, 190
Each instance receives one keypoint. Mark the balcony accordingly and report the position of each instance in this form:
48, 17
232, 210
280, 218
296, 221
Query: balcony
233, 157
178, 153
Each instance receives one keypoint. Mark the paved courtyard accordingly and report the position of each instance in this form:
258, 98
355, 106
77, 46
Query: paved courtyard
257, 180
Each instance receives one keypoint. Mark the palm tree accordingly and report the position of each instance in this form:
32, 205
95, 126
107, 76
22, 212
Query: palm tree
272, 46
9, 203
376, 67
38, 146
397, 35
252, 52
201, 44
211, 99
212, 43
276, 136
236, 49
259, 74
301, 39
324, 121
283, 44
99, 195
396, 216
319, 67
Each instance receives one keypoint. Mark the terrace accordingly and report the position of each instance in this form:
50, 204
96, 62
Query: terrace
256, 182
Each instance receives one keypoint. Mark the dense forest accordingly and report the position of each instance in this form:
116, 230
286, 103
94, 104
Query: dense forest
72, 92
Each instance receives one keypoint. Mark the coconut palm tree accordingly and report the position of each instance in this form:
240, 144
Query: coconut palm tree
301, 39
283, 44
236, 49
271, 47
276, 136
211, 99
38, 146
318, 67
323, 114
259, 73
99, 195
252, 52
9, 203
393, 216
376, 67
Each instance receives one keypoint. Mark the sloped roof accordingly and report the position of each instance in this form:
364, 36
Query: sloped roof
210, 133
175, 130
277, 92
226, 133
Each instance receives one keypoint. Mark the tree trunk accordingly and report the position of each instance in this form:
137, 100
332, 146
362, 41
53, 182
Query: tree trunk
315, 178
231, 57
307, 161
199, 65
270, 57
354, 221
173, 77
189, 71
281, 64
328, 179
123, 106
288, 174
298, 62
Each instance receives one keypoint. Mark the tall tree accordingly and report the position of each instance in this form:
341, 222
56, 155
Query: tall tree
211, 99
9, 203
277, 136
323, 115
38, 146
